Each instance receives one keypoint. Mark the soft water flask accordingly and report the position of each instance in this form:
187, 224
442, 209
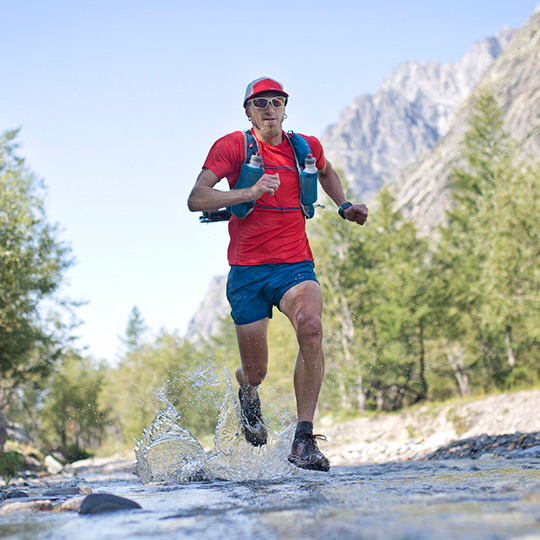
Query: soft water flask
308, 181
249, 175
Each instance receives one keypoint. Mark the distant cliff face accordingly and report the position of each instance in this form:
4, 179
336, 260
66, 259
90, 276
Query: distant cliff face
205, 322
421, 188
414, 107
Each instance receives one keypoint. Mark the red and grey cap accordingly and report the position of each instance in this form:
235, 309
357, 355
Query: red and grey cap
264, 84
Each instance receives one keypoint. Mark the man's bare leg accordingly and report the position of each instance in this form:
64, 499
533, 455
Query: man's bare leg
253, 347
303, 306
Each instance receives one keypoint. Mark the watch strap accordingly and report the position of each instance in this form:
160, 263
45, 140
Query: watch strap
343, 207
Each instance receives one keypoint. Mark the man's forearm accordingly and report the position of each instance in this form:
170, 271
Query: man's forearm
331, 184
203, 198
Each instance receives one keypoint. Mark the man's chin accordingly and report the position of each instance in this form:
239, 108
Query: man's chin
271, 129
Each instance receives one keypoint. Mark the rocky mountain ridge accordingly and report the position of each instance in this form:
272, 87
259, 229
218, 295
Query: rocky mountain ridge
413, 108
421, 188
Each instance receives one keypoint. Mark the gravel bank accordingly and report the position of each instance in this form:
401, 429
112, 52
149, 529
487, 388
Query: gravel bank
506, 425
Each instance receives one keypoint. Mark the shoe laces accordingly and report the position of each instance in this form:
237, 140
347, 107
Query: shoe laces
311, 439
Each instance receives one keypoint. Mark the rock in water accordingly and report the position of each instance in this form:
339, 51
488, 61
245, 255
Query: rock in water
16, 494
98, 503
67, 491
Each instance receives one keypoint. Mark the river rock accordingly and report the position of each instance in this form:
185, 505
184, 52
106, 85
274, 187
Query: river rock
97, 503
71, 505
53, 465
67, 491
27, 506
16, 494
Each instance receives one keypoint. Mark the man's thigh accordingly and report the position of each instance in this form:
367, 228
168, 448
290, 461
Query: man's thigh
304, 298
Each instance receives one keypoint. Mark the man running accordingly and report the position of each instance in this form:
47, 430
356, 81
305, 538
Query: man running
271, 260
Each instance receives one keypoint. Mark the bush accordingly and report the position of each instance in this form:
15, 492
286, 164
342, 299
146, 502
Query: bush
10, 463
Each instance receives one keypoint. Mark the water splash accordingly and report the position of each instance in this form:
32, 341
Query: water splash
169, 453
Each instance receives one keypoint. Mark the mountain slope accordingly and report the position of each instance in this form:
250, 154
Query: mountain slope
413, 108
421, 189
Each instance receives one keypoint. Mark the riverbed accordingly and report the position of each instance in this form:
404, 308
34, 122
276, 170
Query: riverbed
491, 498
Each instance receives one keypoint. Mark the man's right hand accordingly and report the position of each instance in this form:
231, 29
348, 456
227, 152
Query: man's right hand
267, 183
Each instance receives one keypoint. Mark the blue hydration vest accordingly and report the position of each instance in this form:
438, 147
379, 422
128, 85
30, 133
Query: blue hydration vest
308, 181
301, 150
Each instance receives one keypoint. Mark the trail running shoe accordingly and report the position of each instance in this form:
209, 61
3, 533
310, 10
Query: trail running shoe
252, 424
306, 455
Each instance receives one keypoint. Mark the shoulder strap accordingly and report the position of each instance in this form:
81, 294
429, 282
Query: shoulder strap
300, 146
250, 145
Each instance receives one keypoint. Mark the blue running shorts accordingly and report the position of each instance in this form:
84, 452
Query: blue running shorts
253, 290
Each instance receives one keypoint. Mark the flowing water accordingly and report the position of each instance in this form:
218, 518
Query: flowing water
236, 490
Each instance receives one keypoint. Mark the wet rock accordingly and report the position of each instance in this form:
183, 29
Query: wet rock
98, 503
511, 446
71, 505
16, 494
53, 465
532, 451
27, 506
67, 491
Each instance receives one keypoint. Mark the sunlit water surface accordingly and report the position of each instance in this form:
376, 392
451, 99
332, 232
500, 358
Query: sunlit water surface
238, 491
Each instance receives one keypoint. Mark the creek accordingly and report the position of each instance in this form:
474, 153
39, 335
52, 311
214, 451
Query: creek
238, 491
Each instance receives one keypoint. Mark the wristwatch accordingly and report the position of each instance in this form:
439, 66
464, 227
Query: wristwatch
343, 207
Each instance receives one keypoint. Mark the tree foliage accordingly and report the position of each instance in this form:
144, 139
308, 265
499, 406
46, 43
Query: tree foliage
32, 265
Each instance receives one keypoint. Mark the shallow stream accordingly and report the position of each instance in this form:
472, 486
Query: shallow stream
238, 491
497, 499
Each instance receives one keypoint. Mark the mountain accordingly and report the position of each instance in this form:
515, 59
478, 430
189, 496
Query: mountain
413, 108
206, 320
421, 188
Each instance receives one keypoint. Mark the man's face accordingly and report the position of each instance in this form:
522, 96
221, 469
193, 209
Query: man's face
268, 121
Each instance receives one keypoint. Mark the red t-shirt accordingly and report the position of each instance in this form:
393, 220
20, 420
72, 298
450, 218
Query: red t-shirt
266, 235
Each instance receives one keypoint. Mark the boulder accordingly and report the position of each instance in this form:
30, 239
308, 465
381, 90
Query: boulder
98, 503
53, 465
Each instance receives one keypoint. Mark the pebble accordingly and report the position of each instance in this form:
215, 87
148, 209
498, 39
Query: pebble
16, 494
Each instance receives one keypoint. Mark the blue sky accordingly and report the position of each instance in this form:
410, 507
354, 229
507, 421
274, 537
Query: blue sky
119, 102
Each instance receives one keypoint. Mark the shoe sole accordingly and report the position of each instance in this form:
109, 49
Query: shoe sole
252, 437
323, 467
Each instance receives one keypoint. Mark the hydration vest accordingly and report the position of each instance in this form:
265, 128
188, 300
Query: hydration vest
308, 196
301, 150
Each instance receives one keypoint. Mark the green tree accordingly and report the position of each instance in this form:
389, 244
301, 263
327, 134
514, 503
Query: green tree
136, 331
374, 287
32, 266
488, 256
71, 415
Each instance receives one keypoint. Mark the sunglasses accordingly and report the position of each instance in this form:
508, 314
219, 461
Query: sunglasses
262, 102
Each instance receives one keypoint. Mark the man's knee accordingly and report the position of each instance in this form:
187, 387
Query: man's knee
309, 324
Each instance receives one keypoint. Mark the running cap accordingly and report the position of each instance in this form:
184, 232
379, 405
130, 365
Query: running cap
264, 84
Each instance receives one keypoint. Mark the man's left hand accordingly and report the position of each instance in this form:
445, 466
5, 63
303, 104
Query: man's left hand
357, 213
